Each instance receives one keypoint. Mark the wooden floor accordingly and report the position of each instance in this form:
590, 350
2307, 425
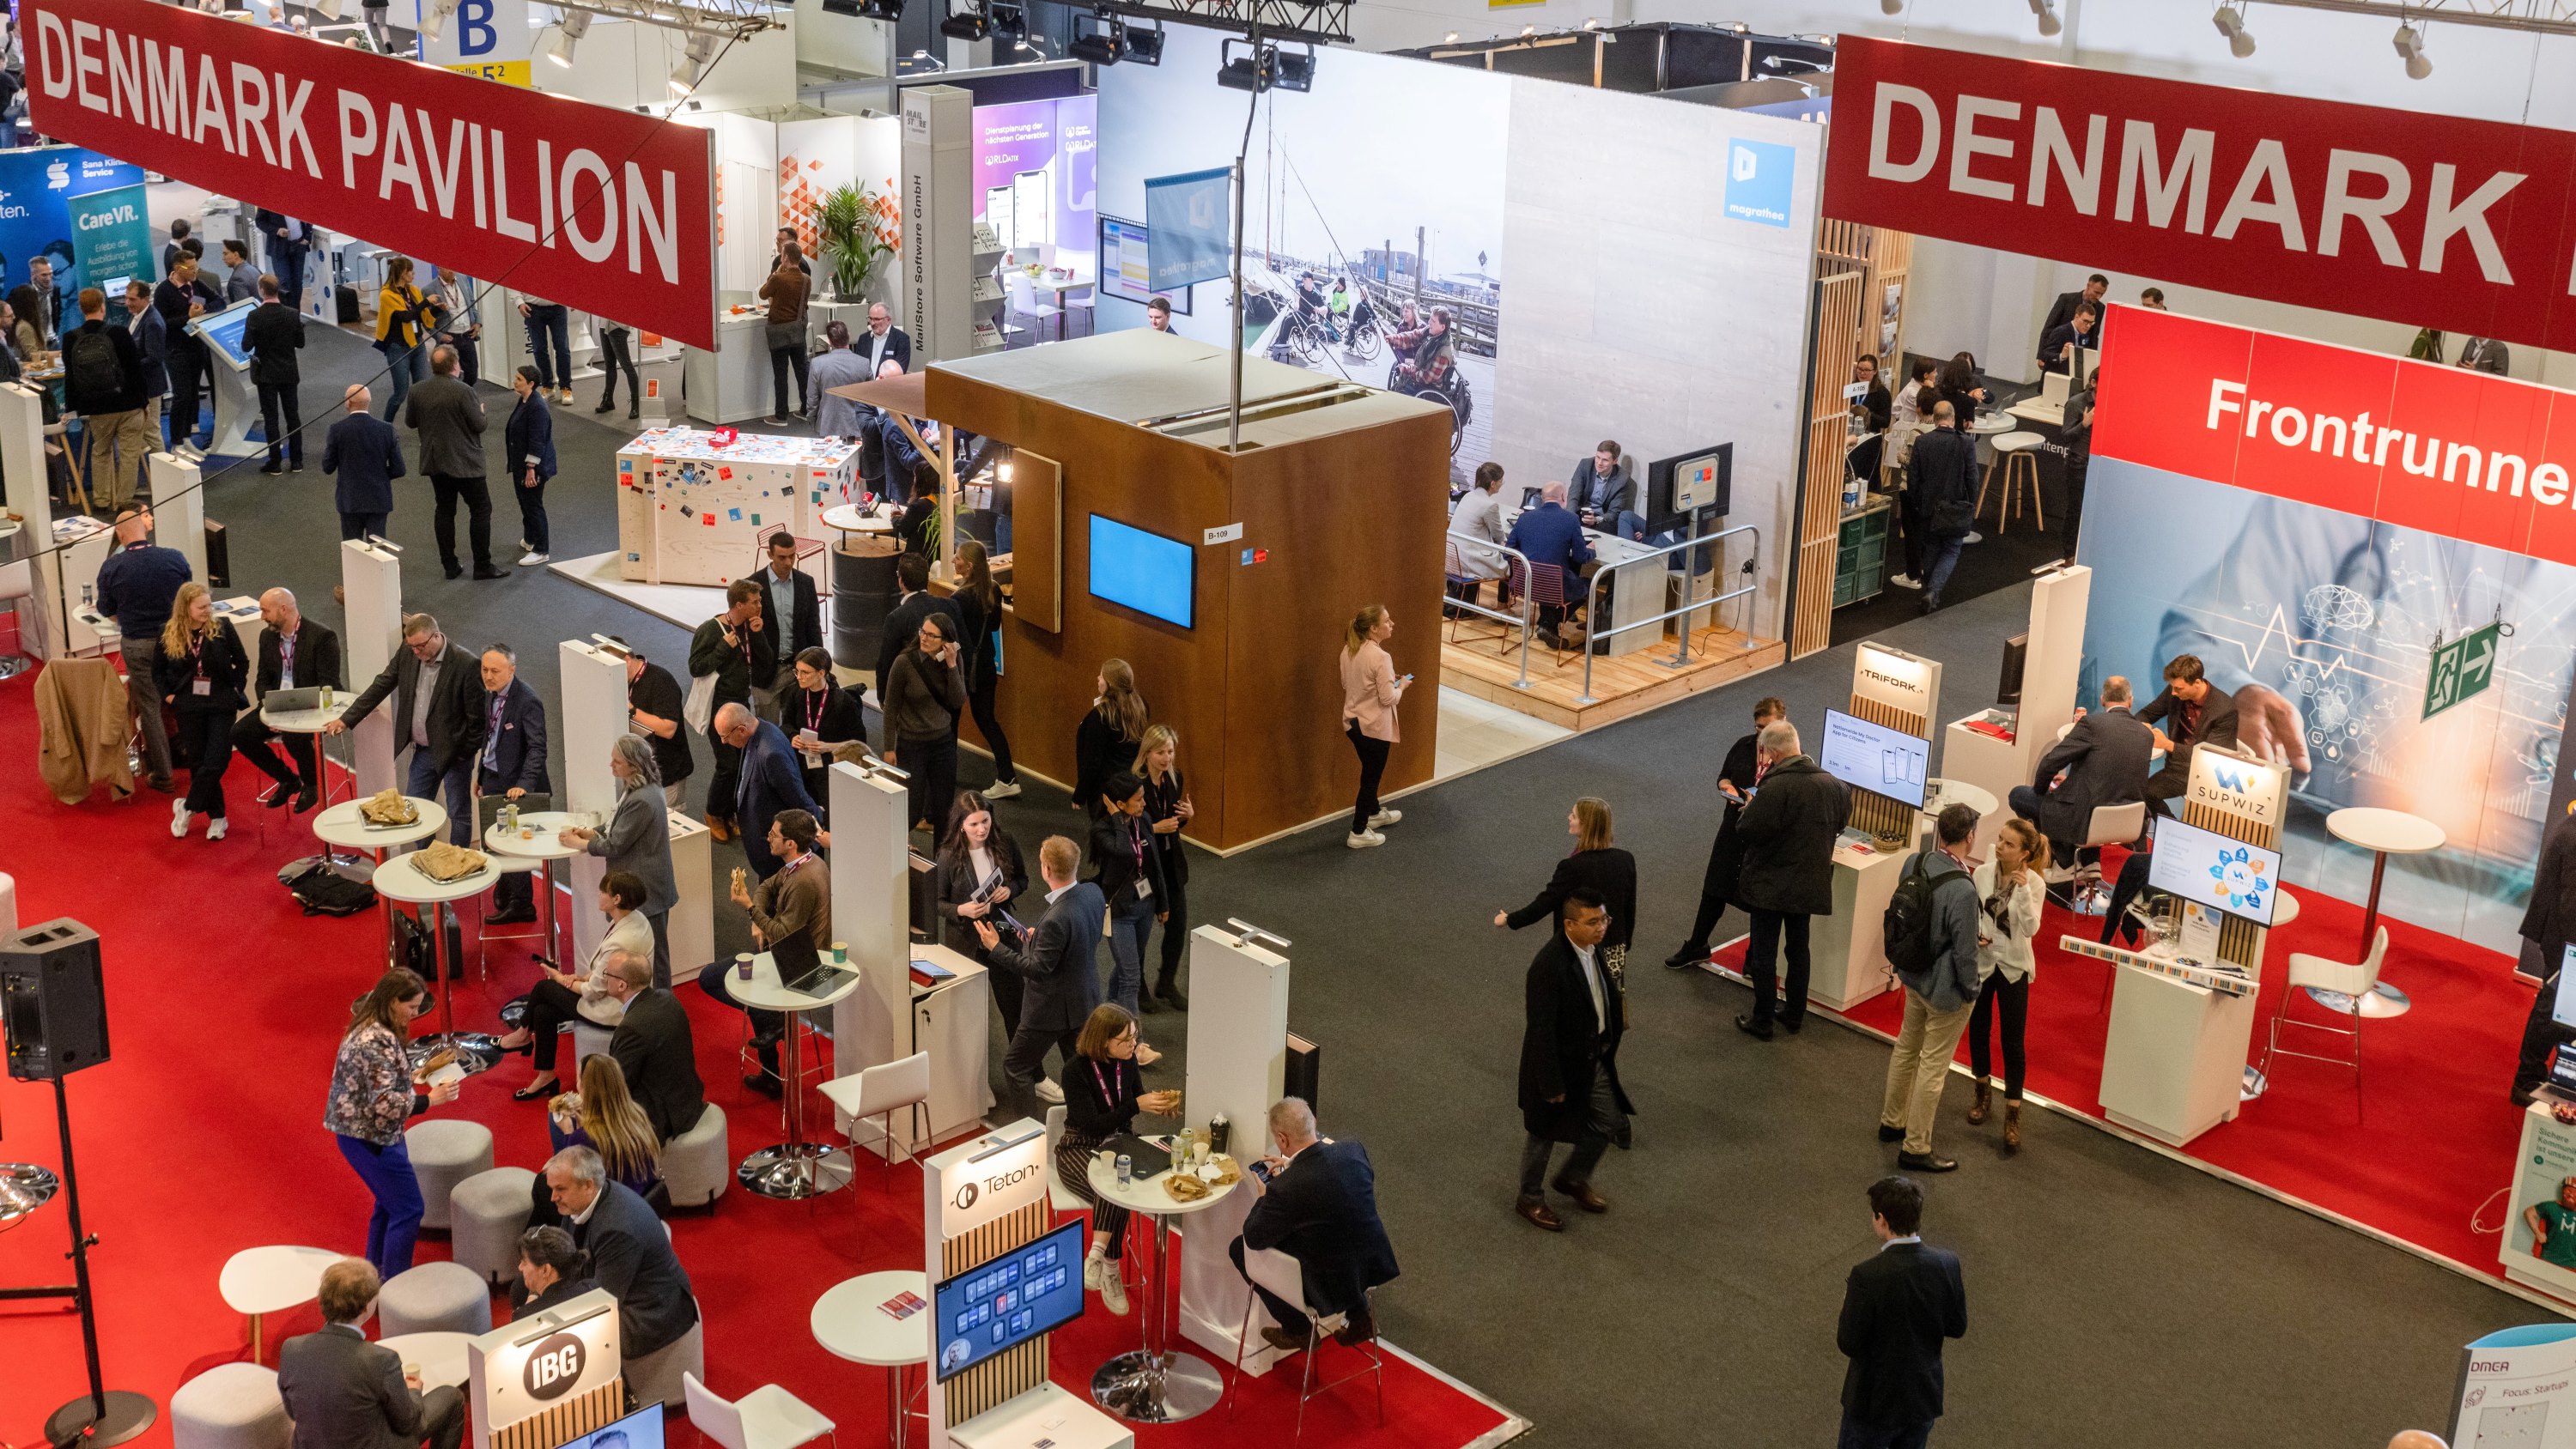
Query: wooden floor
1622, 684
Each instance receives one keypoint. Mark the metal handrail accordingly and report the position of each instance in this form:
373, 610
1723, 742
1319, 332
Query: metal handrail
1681, 656
1522, 618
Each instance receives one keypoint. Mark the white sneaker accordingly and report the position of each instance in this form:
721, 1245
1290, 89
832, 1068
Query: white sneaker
1362, 840
1092, 1264
1974, 537
1002, 790
1050, 1093
179, 820
1905, 581
1113, 1294
1386, 817
532, 558
215, 828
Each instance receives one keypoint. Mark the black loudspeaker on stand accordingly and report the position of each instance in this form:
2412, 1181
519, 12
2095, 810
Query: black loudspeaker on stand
53, 1014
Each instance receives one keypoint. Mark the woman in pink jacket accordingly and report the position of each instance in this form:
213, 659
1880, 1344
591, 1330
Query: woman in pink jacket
1370, 693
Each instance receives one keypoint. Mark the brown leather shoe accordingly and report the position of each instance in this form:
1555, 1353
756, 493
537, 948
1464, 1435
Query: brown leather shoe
720, 829
1284, 1340
2012, 1127
1357, 1328
1541, 1215
1583, 1195
1978, 1110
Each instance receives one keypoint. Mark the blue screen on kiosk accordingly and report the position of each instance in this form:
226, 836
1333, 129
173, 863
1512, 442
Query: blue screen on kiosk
635, 1431
1873, 757
1146, 572
224, 330
996, 1305
2221, 873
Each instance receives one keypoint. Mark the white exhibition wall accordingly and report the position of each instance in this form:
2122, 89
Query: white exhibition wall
1631, 306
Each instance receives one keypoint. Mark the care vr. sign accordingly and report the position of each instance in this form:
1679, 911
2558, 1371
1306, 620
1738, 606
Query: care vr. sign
2427, 220
600, 209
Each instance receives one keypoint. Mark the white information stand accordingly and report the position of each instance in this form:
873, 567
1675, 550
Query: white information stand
2058, 604
1238, 1065
179, 510
371, 578
564, 1365
693, 920
872, 915
43, 622
594, 715
1848, 949
953, 1021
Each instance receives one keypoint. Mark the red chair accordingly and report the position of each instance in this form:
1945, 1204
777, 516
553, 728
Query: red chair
1544, 588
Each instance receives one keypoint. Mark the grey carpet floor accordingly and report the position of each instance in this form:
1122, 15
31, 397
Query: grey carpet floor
2115, 1297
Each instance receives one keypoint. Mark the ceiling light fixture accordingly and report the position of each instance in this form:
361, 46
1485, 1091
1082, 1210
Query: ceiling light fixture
576, 24
1098, 38
969, 24
693, 65
2231, 23
2410, 44
2046, 12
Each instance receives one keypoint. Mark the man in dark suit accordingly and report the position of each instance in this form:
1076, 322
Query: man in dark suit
1736, 781
1316, 1201
365, 454
1941, 491
2057, 344
903, 621
1599, 489
1787, 877
179, 301
1575, 1012
274, 333
438, 716
788, 597
1897, 1307
739, 649
2485, 354
294, 653
152, 344
2062, 311
2200, 713
343, 1392
450, 419
1548, 536
652, 1045
512, 764
2104, 759
884, 341
287, 242
630, 1253
768, 781
1059, 963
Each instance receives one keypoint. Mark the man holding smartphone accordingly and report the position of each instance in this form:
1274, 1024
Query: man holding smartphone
1316, 1201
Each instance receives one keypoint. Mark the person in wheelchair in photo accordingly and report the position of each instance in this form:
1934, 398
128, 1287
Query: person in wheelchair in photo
1425, 357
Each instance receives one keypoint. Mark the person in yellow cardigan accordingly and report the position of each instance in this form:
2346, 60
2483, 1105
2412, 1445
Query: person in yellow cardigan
402, 315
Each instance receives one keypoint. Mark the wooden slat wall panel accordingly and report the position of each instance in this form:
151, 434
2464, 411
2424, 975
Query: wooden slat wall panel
1037, 541
1838, 299
1884, 815
1005, 1375
2239, 940
581, 1414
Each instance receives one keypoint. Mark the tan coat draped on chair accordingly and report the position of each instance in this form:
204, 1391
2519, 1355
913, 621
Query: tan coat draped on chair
80, 707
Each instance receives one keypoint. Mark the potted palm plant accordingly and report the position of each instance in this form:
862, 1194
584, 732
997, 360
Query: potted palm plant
852, 242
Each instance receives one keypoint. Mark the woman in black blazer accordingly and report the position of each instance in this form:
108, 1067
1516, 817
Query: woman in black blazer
1597, 863
978, 601
1130, 876
1167, 810
979, 873
1110, 731
1960, 389
1735, 784
201, 673
821, 708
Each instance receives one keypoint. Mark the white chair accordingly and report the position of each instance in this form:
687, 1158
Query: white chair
17, 585
2353, 981
2108, 825
880, 1092
768, 1417
1060, 1199
1283, 1276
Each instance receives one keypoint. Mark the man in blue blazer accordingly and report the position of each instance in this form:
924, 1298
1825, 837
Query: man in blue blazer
1060, 963
1549, 536
1316, 1201
365, 454
769, 780
513, 763
152, 340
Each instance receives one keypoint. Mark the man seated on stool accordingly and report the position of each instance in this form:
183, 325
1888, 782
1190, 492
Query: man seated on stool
653, 1047
630, 1253
2201, 714
1316, 1201
1600, 491
513, 764
294, 653
2104, 761
341, 1390
1550, 537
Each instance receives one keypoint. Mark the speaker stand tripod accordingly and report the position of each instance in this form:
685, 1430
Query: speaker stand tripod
103, 1416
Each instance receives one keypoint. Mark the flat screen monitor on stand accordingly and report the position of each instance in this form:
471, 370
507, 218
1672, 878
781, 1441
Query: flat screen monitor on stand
2008, 679
1875, 758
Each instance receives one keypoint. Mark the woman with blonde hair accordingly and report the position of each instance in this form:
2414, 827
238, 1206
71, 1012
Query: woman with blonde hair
1167, 810
1108, 734
1370, 693
201, 673
1609, 871
2010, 886
605, 1117
401, 311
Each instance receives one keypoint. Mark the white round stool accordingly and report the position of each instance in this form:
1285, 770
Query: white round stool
444, 1152
230, 1406
2017, 459
489, 1211
435, 1298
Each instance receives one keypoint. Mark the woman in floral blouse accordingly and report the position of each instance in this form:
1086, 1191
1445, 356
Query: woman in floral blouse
372, 1095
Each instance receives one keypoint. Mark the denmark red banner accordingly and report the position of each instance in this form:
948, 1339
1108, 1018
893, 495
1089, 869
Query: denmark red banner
600, 209
2464, 454
2429, 220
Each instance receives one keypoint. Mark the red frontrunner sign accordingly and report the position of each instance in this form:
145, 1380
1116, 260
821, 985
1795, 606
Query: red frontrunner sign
600, 209
2470, 456
2428, 220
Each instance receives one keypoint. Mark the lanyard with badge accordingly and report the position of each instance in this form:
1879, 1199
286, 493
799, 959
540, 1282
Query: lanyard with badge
197, 657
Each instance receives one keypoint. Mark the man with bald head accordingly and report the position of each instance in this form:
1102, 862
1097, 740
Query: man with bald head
294, 653
365, 454
1549, 536
2417, 1439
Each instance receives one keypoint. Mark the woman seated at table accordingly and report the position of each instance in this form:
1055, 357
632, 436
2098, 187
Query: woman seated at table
552, 1271
820, 710
566, 996
605, 1117
1103, 1092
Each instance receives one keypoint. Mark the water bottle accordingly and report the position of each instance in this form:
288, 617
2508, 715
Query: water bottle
1181, 1149
89, 596
1126, 1170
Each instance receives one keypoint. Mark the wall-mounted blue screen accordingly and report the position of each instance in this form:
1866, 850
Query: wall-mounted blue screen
1146, 572
1027, 1291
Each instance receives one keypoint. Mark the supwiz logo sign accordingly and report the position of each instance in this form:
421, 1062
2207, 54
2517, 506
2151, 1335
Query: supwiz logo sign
1758, 177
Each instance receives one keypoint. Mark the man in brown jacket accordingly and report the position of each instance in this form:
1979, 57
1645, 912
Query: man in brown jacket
791, 917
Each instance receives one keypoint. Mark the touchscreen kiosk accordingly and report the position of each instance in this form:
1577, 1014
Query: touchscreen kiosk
2218, 872
1873, 757
1000, 1304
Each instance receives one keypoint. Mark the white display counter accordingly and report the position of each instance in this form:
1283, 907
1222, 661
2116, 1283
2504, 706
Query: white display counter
691, 512
2173, 1063
1848, 950
732, 383
693, 919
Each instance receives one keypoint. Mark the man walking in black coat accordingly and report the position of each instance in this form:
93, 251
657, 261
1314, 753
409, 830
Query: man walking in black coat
365, 454
1941, 502
1736, 781
273, 333
1316, 1201
1569, 1080
1062, 969
1897, 1307
1788, 836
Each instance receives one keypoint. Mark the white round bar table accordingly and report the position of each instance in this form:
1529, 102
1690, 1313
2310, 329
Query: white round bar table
850, 1322
1156, 1384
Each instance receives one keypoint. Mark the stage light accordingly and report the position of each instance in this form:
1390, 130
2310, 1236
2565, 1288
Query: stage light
2410, 44
1098, 38
1892, 7
969, 24
576, 24
2046, 12
1145, 47
1247, 71
2231, 23
1292, 71
693, 65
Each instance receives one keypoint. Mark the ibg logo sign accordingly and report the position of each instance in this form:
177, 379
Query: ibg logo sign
1758, 177
554, 1367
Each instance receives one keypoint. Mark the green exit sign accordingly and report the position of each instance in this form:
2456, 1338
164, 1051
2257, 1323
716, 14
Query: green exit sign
2461, 668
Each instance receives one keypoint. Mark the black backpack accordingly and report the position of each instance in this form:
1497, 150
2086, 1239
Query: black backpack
322, 891
1907, 923
90, 369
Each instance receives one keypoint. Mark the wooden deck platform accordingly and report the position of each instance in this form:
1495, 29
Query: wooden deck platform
1622, 684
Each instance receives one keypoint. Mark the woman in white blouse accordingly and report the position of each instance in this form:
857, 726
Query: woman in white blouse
2010, 887
564, 996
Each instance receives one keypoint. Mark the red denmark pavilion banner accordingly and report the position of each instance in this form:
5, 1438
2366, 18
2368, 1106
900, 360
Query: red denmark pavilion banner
601, 209
2427, 220
2463, 454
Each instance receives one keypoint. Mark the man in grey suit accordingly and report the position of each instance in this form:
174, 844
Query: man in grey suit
448, 414
2104, 759
438, 716
630, 1253
1599, 490
1062, 970
346, 1393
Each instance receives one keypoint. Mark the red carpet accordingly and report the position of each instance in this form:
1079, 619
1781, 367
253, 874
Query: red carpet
203, 1136
2438, 1136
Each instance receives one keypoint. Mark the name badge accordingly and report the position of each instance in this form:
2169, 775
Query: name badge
201, 686
1144, 889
